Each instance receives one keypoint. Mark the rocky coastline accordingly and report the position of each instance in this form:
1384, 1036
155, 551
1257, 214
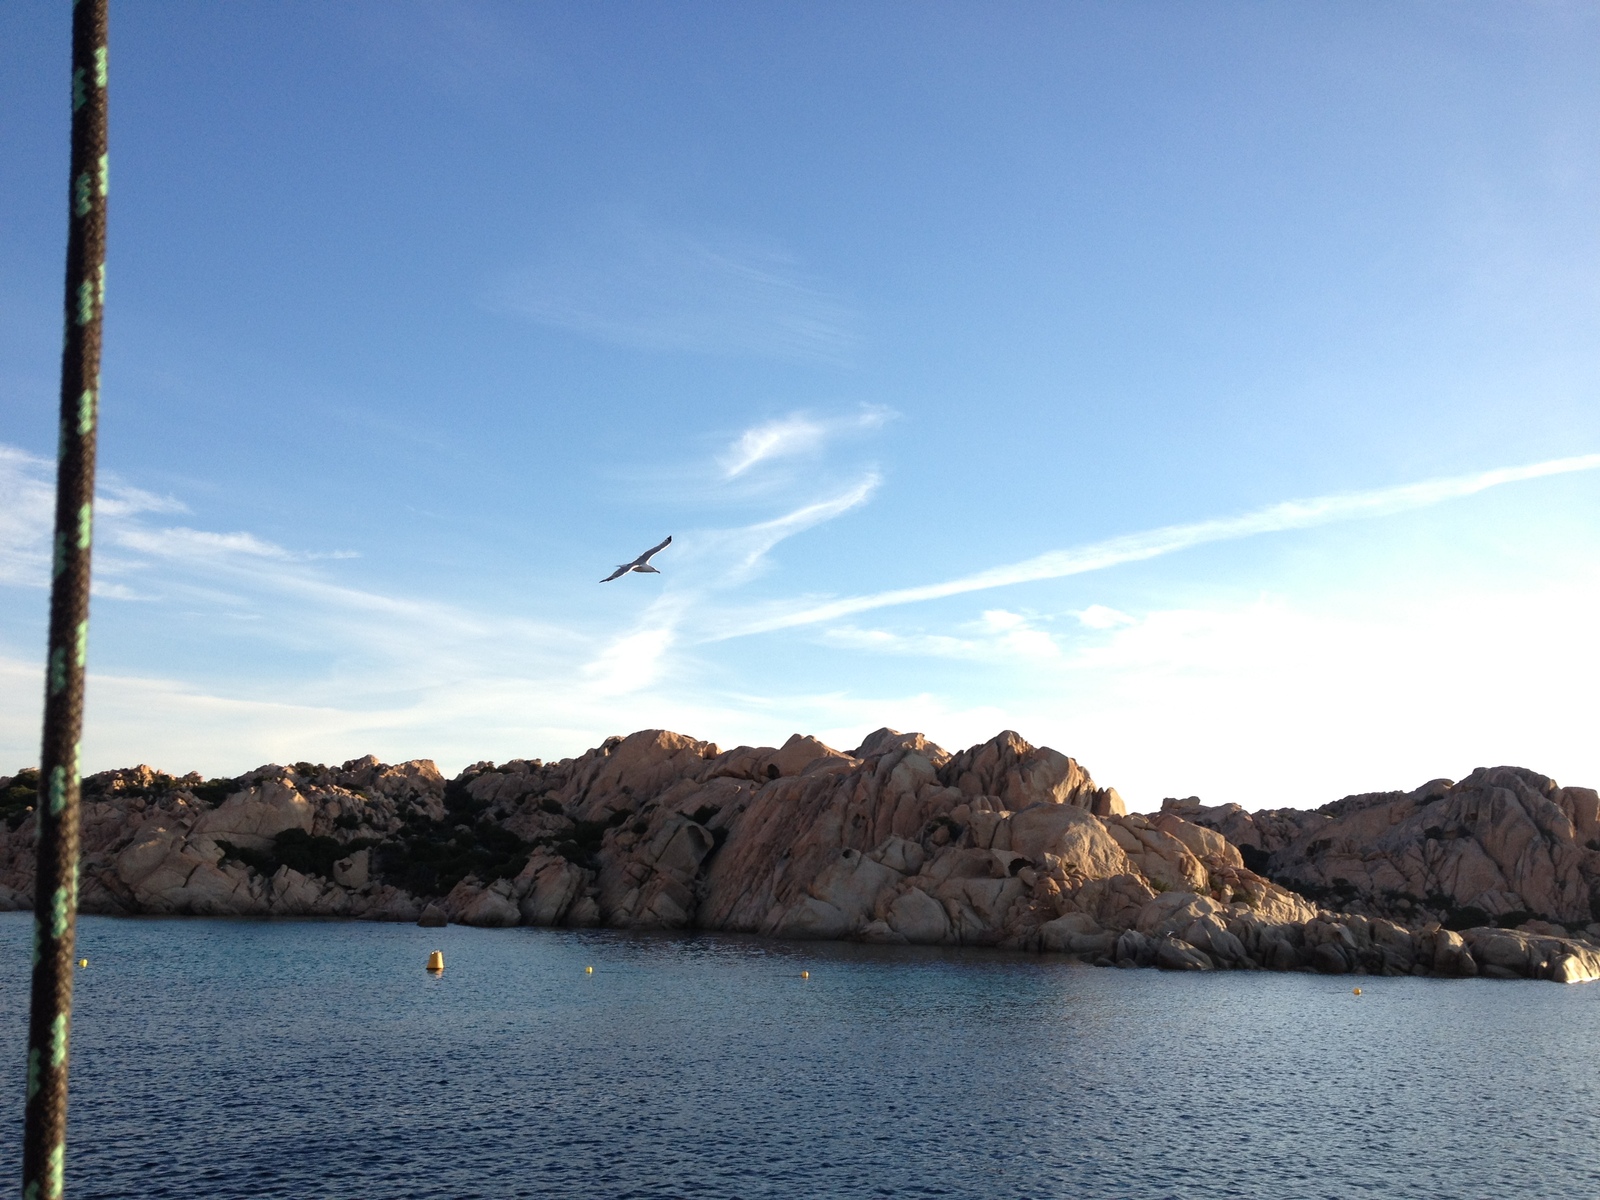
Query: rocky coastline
897, 841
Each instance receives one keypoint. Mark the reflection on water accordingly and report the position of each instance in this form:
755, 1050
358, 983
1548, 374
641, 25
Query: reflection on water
250, 1059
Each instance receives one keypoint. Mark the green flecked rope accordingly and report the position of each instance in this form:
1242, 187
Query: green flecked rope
55, 904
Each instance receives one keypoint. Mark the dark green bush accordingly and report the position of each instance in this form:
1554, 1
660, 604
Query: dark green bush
297, 850
1515, 917
582, 842
261, 861
464, 808
428, 858
95, 788
214, 791
1467, 917
1336, 895
300, 851
20, 795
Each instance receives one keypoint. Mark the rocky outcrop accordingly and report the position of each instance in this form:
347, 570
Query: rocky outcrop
1504, 845
155, 844
897, 841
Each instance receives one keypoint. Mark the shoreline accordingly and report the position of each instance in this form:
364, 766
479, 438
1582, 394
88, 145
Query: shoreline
1004, 845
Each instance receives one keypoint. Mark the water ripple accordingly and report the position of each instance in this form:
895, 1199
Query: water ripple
225, 1059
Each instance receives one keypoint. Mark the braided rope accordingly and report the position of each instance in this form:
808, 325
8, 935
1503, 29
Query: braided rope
55, 905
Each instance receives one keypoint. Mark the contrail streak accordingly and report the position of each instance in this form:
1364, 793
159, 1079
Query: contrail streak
1135, 547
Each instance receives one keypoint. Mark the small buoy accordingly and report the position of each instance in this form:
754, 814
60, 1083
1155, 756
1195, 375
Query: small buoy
83, 962
805, 974
1355, 991
436, 961
588, 970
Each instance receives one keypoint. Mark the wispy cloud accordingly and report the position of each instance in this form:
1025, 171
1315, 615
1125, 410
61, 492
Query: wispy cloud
997, 636
119, 500
1098, 616
715, 561
631, 663
1162, 702
793, 435
446, 657
1136, 547
184, 543
27, 506
180, 542
744, 548
27, 511
635, 284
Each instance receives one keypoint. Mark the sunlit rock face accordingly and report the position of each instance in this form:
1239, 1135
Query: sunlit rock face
896, 841
1502, 844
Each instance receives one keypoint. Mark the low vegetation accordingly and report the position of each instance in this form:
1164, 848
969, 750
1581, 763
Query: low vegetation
18, 797
297, 850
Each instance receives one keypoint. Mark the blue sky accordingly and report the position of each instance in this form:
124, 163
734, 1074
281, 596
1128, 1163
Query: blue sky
423, 316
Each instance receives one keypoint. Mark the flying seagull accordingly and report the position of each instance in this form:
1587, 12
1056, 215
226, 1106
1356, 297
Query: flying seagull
642, 563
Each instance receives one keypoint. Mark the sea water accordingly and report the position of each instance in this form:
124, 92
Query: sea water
236, 1058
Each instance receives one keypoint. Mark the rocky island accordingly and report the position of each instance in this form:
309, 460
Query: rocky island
897, 841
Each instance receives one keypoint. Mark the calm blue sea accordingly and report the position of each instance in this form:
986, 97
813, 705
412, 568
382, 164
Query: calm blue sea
240, 1058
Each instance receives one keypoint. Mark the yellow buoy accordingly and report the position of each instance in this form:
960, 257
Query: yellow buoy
83, 962
805, 974
436, 961
1355, 991
588, 970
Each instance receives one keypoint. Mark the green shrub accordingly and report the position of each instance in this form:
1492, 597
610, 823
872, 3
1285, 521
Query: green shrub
1469, 916
297, 850
428, 858
261, 861
19, 797
300, 851
214, 791
1516, 917
96, 788
462, 806
581, 844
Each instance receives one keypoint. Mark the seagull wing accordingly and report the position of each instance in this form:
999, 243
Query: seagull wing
618, 573
654, 550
